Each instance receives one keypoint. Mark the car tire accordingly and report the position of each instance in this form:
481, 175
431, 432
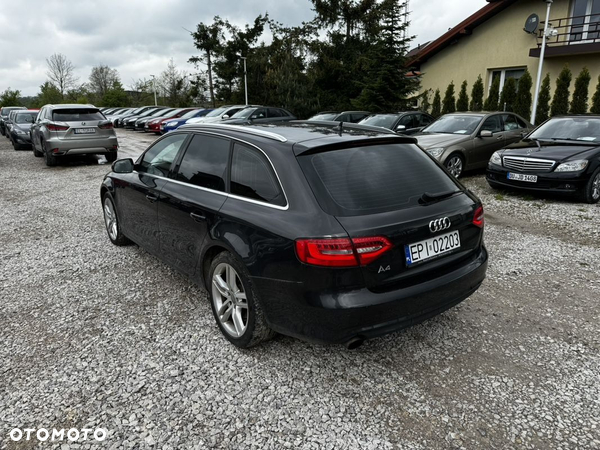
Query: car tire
232, 296
49, 158
112, 222
591, 191
455, 164
111, 157
36, 152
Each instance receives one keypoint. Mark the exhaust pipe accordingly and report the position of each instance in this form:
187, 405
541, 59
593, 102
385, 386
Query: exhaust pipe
354, 343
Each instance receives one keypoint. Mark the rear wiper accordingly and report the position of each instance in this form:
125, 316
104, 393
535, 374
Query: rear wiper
428, 197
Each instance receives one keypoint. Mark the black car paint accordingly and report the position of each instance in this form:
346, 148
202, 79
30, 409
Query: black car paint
559, 151
313, 303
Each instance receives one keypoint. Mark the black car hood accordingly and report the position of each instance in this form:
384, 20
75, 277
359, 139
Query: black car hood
557, 151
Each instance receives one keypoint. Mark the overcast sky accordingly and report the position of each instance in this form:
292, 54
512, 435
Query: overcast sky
138, 37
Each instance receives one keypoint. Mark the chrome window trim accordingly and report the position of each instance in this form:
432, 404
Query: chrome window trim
226, 194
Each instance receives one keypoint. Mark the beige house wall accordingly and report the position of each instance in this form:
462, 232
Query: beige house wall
501, 43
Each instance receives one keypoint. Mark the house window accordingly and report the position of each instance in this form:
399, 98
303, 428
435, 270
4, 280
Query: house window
505, 74
585, 23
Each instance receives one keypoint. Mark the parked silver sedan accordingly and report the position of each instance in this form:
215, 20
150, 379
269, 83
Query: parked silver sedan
72, 129
465, 141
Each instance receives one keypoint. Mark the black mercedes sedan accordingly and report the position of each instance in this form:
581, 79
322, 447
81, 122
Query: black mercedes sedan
560, 156
327, 233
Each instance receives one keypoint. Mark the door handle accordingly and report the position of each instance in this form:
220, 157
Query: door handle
197, 217
500, 137
152, 198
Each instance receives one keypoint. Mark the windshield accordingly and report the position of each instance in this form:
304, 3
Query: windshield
217, 112
25, 117
380, 120
76, 114
244, 113
324, 116
190, 114
570, 129
454, 125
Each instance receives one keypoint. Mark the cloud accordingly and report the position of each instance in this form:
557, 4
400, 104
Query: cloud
138, 37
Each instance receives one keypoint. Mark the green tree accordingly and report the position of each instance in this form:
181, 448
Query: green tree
102, 79
10, 98
560, 101
509, 95
115, 95
523, 100
425, 104
436, 106
595, 109
543, 106
579, 103
491, 103
477, 95
449, 102
49, 94
462, 104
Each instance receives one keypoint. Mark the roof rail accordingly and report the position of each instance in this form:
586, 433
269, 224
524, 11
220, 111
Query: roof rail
344, 125
240, 128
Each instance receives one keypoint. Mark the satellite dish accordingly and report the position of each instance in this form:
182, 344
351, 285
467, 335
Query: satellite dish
531, 24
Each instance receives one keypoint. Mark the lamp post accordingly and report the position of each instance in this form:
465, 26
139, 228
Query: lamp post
541, 65
154, 89
245, 79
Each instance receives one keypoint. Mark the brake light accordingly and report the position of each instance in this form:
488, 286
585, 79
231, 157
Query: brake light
106, 126
54, 127
478, 217
341, 252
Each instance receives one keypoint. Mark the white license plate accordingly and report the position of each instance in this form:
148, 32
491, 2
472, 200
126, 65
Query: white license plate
522, 177
85, 130
432, 247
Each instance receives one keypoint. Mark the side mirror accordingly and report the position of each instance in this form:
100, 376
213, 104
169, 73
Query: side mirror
485, 133
123, 166
401, 128
225, 116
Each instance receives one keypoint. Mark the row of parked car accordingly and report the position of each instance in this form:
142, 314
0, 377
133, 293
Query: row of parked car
504, 142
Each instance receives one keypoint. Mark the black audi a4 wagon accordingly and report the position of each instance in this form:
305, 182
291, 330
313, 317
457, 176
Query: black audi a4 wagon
329, 233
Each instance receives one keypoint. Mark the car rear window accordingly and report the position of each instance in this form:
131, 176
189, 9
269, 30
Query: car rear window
76, 114
373, 179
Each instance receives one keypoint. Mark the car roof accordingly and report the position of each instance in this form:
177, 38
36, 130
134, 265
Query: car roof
302, 135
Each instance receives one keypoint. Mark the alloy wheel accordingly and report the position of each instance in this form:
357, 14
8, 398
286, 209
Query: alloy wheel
596, 187
230, 300
455, 166
110, 219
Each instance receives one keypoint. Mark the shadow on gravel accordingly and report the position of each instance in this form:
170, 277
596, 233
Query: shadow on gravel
82, 160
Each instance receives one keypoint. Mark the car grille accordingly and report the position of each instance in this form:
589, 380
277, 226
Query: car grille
528, 164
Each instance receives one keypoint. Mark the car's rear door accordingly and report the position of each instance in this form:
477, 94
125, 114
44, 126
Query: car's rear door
191, 199
138, 194
377, 191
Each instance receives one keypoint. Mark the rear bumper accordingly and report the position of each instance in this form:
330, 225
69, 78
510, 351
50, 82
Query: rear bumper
559, 183
338, 317
82, 146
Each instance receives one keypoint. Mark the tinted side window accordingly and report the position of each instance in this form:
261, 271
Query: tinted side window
521, 123
274, 112
510, 122
205, 162
424, 120
252, 176
158, 159
260, 113
408, 121
492, 124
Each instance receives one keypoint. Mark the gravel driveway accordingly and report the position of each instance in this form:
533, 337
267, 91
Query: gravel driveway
97, 336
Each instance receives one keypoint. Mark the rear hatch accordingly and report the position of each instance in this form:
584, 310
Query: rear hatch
422, 218
82, 123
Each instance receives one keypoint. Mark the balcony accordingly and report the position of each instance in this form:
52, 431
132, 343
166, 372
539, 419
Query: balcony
577, 35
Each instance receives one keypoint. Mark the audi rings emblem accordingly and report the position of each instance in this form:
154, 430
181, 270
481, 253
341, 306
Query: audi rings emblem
439, 225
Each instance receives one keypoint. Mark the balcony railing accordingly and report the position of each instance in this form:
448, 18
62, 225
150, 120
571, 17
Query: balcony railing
574, 30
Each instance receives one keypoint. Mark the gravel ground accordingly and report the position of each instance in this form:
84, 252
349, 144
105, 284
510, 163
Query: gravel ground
99, 336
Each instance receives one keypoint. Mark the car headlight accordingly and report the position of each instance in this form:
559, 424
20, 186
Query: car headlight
171, 124
436, 152
496, 159
572, 166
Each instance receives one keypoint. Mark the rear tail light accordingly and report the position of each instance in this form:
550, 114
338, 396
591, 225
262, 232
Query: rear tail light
55, 127
478, 219
106, 126
341, 252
